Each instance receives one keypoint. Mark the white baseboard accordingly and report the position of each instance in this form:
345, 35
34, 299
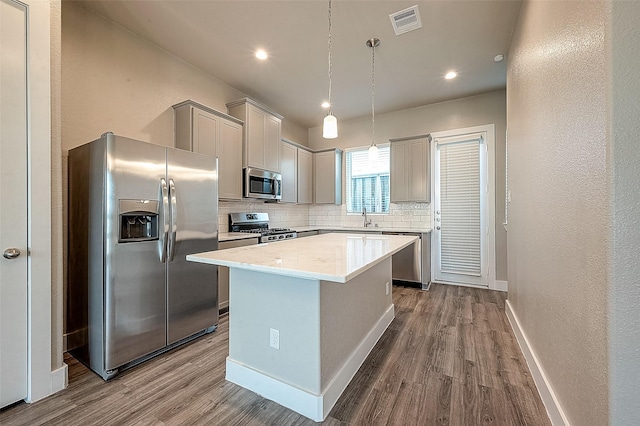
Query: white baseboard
315, 407
59, 378
339, 382
554, 410
501, 285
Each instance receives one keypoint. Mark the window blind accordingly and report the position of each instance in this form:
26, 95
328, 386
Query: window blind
367, 183
460, 207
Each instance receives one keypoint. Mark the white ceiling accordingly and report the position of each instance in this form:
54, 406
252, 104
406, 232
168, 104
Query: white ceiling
220, 38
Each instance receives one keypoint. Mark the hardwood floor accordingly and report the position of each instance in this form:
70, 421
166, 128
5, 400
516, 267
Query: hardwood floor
449, 357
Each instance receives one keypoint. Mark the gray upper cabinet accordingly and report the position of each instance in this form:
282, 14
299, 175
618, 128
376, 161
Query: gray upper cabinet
410, 178
262, 133
296, 167
201, 129
305, 176
327, 176
289, 171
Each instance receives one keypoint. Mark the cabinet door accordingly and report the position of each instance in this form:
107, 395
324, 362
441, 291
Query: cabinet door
399, 190
324, 177
255, 137
289, 167
230, 161
417, 167
272, 143
305, 177
205, 133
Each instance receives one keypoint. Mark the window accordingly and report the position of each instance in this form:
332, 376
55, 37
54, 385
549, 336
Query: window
367, 182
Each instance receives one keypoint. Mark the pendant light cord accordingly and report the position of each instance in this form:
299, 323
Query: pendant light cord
373, 92
329, 43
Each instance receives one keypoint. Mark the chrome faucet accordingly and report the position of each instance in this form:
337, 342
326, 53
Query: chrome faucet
364, 213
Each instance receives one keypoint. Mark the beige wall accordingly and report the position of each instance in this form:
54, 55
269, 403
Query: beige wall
57, 230
489, 108
559, 216
624, 290
115, 81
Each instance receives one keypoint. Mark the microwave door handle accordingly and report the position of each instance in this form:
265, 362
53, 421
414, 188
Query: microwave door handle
274, 187
174, 220
162, 241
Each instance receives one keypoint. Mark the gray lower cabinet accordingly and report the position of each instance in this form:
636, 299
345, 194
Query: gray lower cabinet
223, 271
307, 234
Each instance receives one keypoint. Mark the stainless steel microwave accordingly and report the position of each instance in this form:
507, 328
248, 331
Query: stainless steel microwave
259, 183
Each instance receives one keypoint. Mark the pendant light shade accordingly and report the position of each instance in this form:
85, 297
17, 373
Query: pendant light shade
373, 153
330, 124
330, 127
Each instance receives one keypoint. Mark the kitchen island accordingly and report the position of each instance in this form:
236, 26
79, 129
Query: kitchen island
305, 313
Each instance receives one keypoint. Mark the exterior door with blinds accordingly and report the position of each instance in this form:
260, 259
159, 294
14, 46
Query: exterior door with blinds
461, 210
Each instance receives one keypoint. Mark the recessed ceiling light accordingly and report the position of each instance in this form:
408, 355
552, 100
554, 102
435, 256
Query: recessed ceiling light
450, 75
325, 104
261, 54
498, 58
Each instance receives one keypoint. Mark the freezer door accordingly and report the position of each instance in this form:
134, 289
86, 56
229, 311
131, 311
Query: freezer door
192, 288
134, 292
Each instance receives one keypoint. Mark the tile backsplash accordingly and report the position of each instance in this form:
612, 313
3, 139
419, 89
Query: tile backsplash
401, 215
280, 215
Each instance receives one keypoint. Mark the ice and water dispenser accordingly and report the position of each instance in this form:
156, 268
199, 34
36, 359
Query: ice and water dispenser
138, 220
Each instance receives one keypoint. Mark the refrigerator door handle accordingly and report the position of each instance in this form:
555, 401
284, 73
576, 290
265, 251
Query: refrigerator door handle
174, 220
162, 241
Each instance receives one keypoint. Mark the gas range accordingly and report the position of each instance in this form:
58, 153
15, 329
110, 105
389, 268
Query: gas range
258, 223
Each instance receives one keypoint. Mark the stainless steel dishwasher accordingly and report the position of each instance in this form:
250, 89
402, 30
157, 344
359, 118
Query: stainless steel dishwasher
413, 263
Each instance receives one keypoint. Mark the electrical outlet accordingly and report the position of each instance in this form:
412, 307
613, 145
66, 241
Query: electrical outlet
274, 338
386, 288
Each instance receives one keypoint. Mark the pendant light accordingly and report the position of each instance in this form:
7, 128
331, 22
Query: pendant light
373, 148
330, 124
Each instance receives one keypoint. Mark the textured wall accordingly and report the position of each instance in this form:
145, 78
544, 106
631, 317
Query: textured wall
559, 216
57, 230
489, 108
115, 81
624, 291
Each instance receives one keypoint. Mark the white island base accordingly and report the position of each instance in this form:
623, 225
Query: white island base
305, 313
326, 331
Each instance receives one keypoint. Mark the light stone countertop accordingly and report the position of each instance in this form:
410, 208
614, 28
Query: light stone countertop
358, 229
231, 236
330, 257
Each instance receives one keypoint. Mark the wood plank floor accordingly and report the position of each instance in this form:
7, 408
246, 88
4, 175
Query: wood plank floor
449, 357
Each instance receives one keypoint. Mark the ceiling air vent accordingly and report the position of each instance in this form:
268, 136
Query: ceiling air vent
406, 20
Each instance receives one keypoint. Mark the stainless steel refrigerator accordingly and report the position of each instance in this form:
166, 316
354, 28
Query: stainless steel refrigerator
135, 211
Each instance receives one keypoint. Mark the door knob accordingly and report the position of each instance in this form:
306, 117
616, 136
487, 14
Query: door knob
438, 228
11, 253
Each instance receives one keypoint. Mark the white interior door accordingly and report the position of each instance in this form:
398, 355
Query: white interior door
460, 207
13, 193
